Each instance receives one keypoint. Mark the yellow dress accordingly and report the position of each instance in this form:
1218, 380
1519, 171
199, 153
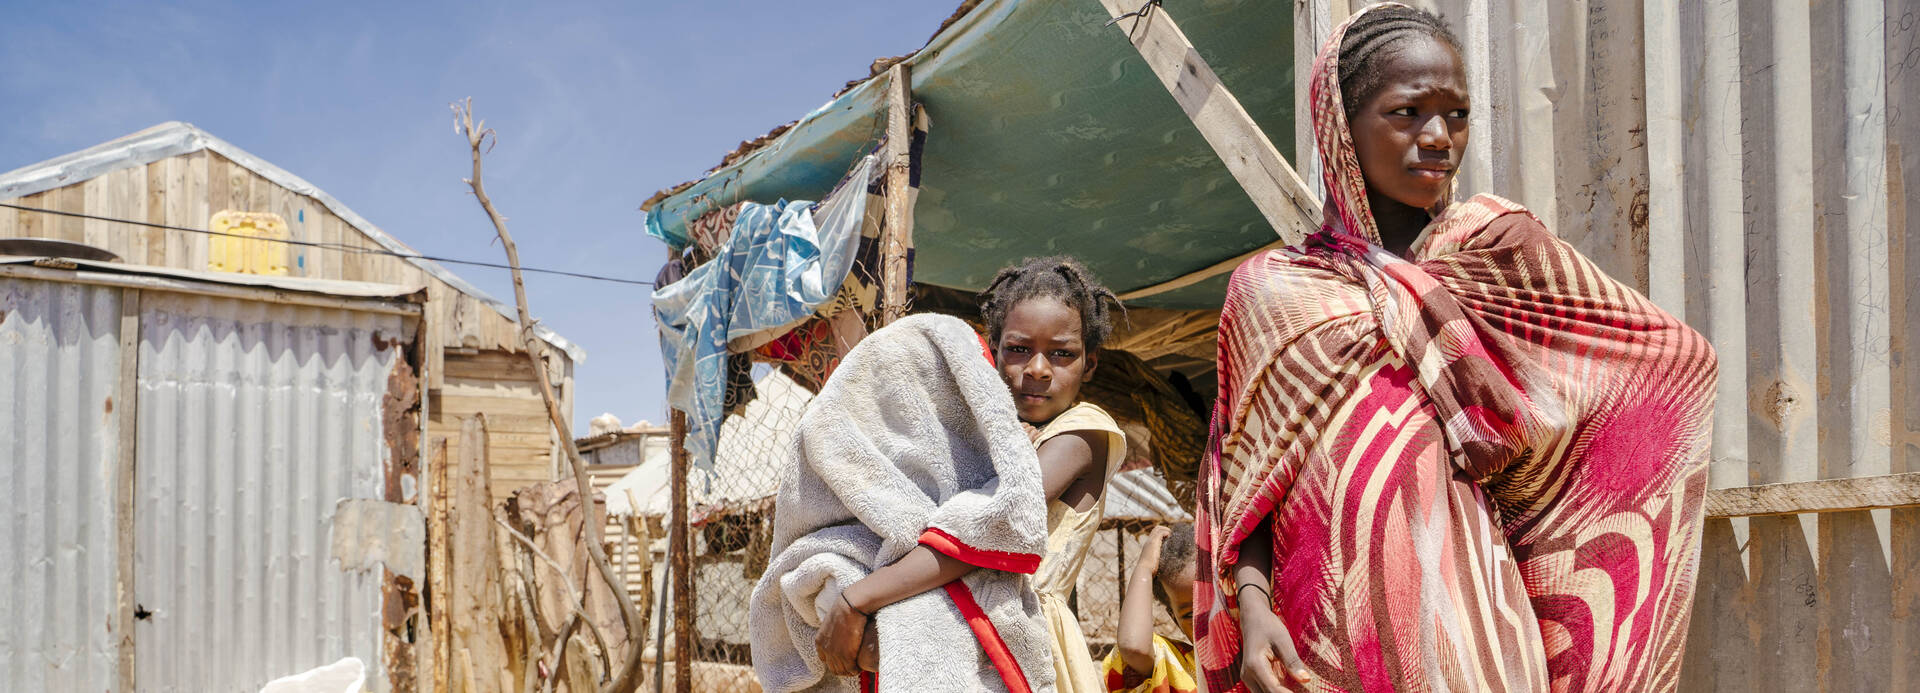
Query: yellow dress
1172, 670
1069, 534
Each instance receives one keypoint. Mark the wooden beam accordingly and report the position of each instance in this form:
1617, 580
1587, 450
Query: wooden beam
126, 406
898, 229
1278, 191
439, 564
1824, 496
1192, 278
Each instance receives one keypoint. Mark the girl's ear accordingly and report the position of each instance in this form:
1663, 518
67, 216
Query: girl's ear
1093, 361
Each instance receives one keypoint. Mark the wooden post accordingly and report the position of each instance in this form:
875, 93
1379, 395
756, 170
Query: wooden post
898, 229
1279, 193
439, 563
125, 399
679, 555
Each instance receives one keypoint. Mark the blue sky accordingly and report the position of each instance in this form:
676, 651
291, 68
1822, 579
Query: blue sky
598, 105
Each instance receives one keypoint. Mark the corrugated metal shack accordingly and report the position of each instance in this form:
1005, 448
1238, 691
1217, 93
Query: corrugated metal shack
175, 174
1748, 165
200, 466
262, 515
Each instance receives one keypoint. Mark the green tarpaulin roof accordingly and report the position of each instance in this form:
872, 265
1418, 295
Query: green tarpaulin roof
1049, 135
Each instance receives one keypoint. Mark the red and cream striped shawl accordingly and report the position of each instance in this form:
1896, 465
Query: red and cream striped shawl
1484, 465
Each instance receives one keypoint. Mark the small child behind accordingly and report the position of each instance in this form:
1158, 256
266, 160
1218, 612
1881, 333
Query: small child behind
1144, 661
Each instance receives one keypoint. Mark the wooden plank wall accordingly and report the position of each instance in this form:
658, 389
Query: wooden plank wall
186, 190
519, 437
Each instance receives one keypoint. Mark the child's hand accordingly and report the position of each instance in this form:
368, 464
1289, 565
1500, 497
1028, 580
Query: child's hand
870, 649
1150, 549
838, 641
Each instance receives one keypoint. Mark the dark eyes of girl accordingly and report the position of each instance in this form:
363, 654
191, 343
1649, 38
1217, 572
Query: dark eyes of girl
1017, 349
1063, 354
1409, 112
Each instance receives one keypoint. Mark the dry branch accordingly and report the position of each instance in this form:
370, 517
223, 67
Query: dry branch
573, 596
536, 349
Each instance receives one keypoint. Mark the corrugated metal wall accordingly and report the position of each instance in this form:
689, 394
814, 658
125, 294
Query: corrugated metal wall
255, 420
59, 369
1748, 164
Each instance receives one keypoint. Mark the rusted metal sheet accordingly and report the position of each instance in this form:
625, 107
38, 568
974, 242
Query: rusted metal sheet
255, 421
59, 447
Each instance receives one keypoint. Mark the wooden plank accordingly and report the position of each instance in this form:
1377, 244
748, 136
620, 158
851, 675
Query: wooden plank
490, 364
283, 203
130, 191
897, 230
1823, 496
476, 568
177, 250
97, 199
259, 191
500, 388
1266, 177
126, 401
10, 220
439, 563
33, 224
72, 198
156, 239
509, 406
197, 213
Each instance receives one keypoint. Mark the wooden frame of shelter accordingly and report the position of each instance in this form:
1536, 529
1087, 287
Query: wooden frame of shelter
1289, 206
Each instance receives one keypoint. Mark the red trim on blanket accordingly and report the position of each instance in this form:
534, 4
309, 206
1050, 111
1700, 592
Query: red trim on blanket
1023, 563
989, 638
869, 682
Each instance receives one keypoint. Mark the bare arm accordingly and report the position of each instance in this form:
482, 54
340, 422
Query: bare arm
1266, 643
1135, 639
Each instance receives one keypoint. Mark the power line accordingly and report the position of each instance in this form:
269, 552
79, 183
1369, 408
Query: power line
342, 247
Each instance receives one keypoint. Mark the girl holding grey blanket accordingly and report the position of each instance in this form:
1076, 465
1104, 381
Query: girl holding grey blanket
1046, 320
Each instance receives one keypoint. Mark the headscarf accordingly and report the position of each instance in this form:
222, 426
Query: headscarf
1531, 362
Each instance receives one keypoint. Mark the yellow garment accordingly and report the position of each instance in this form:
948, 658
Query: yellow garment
1069, 534
1172, 671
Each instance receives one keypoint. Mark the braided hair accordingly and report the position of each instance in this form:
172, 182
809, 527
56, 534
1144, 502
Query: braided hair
1057, 277
1371, 39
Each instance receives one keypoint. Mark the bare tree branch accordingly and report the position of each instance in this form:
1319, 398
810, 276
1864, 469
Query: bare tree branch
560, 652
579, 605
477, 134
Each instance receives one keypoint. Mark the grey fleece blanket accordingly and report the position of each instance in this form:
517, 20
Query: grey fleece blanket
914, 436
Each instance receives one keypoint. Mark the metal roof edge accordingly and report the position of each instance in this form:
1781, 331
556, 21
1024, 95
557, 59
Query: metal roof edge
174, 138
335, 293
